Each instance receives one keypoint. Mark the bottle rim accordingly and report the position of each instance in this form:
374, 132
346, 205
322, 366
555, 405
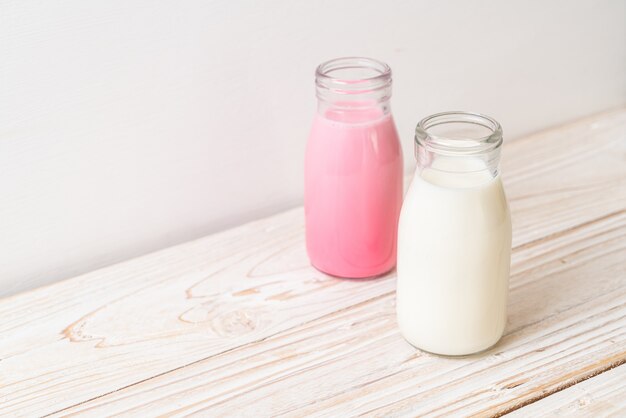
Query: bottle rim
353, 75
464, 145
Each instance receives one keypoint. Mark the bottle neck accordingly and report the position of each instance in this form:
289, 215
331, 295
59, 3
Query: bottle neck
459, 145
353, 89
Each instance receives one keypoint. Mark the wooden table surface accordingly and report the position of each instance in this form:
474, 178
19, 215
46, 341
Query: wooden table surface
239, 324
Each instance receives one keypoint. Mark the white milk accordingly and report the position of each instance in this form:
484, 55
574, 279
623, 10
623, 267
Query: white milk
454, 251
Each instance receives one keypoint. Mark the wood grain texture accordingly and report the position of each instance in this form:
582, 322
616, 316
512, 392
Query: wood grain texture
238, 323
601, 396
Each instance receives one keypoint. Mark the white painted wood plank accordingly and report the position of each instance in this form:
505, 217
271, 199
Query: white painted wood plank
598, 397
240, 320
355, 362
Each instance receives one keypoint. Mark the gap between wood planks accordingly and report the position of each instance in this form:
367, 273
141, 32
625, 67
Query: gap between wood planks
529, 244
561, 387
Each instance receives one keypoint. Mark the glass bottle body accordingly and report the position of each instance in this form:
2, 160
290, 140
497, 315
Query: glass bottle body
353, 171
454, 244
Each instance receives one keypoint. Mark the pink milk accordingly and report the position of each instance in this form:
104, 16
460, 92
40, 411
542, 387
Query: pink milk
353, 191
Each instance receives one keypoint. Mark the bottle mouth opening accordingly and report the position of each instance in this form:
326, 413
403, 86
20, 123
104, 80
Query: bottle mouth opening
353, 75
458, 133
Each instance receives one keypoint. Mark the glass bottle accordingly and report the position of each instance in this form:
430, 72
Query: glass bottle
353, 171
454, 238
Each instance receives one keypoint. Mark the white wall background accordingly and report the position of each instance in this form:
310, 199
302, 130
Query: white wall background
130, 125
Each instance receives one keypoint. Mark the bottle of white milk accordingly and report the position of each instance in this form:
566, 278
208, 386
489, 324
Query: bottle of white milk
454, 238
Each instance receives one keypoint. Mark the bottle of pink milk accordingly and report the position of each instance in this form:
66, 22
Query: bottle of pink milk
353, 171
